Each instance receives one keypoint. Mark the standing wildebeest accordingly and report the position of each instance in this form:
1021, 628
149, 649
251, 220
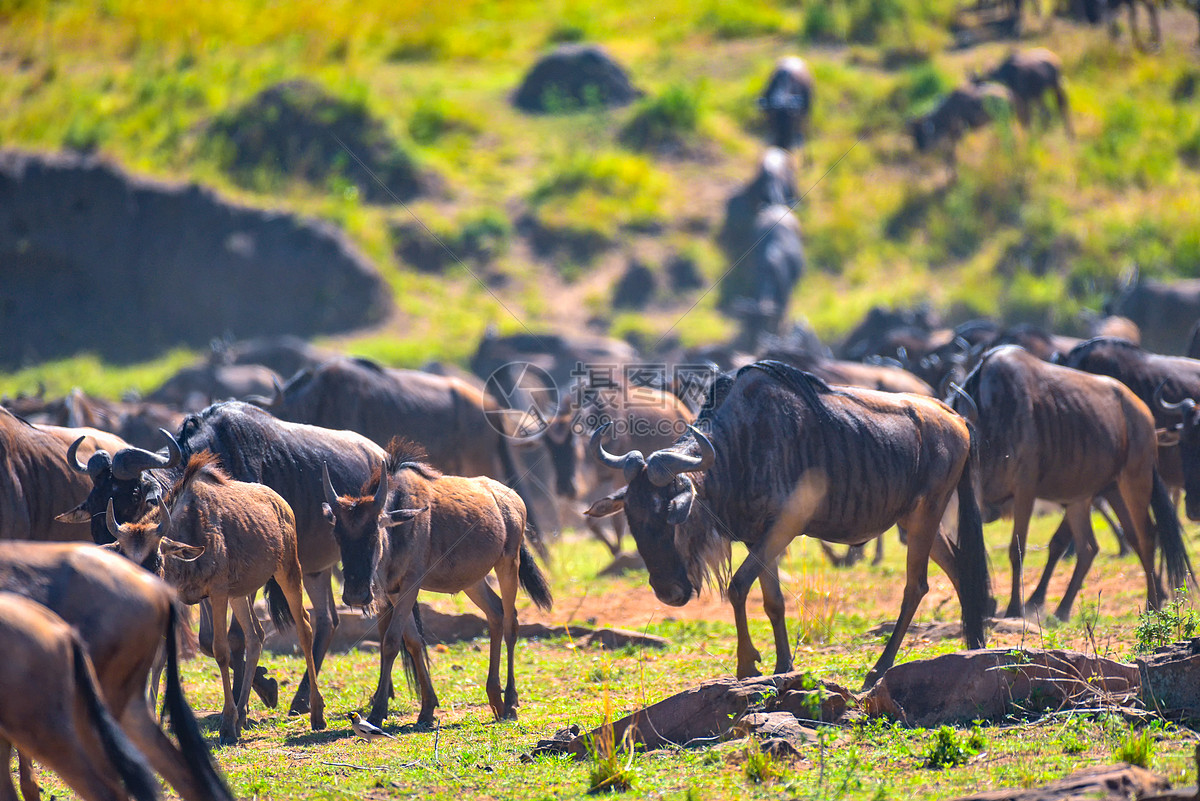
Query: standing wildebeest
253, 446
788, 455
413, 528
1066, 436
124, 615
221, 539
52, 710
787, 102
776, 261
1029, 75
1164, 311
447, 416
968, 107
35, 481
1111, 7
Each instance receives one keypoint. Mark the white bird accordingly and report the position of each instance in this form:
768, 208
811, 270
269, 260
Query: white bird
366, 729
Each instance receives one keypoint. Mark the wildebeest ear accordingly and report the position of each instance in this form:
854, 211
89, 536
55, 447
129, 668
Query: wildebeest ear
608, 505
1167, 437
76, 515
398, 516
115, 547
180, 550
327, 511
681, 505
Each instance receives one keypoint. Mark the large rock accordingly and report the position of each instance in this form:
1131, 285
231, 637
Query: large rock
1101, 783
575, 76
92, 259
994, 684
1171, 679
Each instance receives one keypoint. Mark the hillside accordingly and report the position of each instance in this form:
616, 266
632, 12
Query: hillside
543, 212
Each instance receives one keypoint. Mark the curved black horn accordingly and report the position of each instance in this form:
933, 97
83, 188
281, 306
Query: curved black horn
973, 412
110, 520
1182, 406
164, 520
129, 463
381, 491
664, 465
629, 464
72, 456
331, 495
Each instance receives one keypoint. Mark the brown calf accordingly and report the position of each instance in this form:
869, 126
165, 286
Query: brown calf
229, 539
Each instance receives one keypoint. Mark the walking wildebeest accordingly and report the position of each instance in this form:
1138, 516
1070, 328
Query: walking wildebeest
1165, 311
52, 711
1029, 75
253, 446
787, 100
1066, 436
776, 261
786, 455
124, 615
968, 107
221, 539
412, 528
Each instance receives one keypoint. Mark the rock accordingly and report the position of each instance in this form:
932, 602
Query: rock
85, 241
774, 726
1101, 783
575, 76
1171, 678
780, 749
557, 744
618, 638
683, 273
705, 712
800, 703
994, 684
635, 288
952, 630
623, 563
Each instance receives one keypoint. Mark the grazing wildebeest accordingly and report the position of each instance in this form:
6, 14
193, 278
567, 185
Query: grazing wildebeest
645, 420
1029, 75
1066, 436
1111, 7
787, 101
52, 710
413, 528
253, 446
776, 261
222, 540
968, 107
36, 483
1164, 311
786, 454
124, 615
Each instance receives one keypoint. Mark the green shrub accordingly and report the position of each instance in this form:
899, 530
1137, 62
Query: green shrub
820, 22
666, 119
729, 20
760, 766
1136, 748
1159, 627
949, 749
434, 116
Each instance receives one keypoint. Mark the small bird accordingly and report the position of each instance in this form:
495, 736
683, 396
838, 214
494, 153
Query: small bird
366, 729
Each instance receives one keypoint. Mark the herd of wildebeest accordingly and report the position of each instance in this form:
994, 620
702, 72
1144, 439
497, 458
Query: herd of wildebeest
233, 478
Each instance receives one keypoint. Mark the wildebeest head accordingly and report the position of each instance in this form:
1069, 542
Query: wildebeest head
119, 481
147, 543
1187, 434
658, 497
359, 526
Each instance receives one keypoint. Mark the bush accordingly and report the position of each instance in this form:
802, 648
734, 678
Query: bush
1159, 627
667, 119
1136, 748
949, 749
738, 20
820, 23
434, 116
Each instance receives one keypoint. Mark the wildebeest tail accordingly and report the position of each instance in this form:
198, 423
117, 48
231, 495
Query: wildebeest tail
1170, 535
183, 723
281, 613
534, 580
410, 666
512, 477
129, 763
974, 581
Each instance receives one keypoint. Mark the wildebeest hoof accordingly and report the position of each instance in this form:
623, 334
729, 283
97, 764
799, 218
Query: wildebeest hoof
227, 737
317, 720
299, 707
267, 689
510, 713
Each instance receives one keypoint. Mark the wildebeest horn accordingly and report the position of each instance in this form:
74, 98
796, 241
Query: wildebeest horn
382, 490
110, 520
72, 458
973, 413
629, 464
331, 495
130, 462
164, 522
663, 466
1184, 407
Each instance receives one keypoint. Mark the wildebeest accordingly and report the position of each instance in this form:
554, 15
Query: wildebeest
1111, 7
413, 528
1029, 75
1066, 436
286, 355
1164, 311
883, 329
787, 102
193, 388
36, 483
883, 377
968, 107
222, 540
559, 355
124, 615
254, 446
787, 454
776, 262
52, 710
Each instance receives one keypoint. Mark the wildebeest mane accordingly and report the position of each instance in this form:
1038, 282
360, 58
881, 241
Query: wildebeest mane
404, 454
362, 361
806, 385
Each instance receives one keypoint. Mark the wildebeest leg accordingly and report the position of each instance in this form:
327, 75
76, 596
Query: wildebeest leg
1080, 516
1054, 552
618, 526
164, 757
1137, 42
507, 573
1123, 548
266, 688
30, 790
1155, 28
1134, 513
391, 640
1021, 107
776, 610
324, 620
290, 581
878, 560
739, 588
597, 529
245, 615
414, 643
229, 717
1064, 109
493, 609
1022, 511
7, 791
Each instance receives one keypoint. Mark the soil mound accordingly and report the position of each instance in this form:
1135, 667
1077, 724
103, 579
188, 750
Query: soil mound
575, 76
